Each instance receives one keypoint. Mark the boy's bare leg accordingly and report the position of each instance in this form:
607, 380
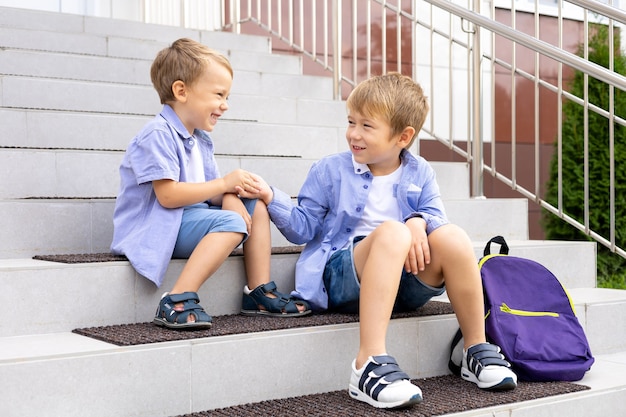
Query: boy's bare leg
379, 259
257, 249
453, 259
205, 259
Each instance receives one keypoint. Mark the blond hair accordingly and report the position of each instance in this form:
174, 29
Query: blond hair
393, 97
184, 60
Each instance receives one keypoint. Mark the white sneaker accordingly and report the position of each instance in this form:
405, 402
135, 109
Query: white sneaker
382, 384
485, 366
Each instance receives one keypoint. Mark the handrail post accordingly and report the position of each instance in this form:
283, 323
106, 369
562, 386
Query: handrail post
337, 50
477, 137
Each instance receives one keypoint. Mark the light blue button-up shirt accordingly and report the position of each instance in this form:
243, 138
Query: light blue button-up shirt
330, 205
143, 230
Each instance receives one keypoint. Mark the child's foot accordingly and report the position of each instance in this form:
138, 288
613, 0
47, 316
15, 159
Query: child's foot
181, 311
265, 300
485, 366
382, 384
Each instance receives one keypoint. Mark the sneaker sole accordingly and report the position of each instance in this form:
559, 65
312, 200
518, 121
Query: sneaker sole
270, 314
506, 384
196, 325
357, 394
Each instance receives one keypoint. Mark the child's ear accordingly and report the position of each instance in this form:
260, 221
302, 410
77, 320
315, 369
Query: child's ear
179, 89
406, 136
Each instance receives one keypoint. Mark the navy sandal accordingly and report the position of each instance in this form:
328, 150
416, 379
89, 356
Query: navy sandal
167, 316
257, 303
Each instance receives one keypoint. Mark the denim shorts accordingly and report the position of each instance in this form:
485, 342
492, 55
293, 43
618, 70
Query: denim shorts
343, 287
202, 219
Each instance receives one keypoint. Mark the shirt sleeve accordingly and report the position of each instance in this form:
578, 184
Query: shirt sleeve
302, 222
425, 200
154, 157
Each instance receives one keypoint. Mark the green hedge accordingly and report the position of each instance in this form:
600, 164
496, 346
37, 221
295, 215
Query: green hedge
611, 268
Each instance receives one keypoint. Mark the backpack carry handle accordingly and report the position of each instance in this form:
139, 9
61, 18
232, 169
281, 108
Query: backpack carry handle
504, 248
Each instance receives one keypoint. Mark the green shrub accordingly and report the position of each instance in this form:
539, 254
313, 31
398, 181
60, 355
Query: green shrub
611, 268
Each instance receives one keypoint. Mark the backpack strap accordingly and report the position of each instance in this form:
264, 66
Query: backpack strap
454, 367
504, 247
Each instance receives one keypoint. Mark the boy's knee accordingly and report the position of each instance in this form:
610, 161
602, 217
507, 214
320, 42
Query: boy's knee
234, 219
450, 236
397, 233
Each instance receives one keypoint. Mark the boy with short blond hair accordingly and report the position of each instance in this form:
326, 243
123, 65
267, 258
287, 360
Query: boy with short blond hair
378, 240
174, 203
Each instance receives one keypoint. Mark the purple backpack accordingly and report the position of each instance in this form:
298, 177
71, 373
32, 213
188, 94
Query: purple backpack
530, 316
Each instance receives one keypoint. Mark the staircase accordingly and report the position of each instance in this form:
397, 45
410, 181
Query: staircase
74, 90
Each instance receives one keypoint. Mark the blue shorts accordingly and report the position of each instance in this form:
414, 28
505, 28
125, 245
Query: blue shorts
202, 219
343, 287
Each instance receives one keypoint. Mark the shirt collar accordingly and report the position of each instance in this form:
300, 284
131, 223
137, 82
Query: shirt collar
172, 118
359, 168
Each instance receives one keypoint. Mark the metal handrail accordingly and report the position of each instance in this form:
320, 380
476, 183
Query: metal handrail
476, 59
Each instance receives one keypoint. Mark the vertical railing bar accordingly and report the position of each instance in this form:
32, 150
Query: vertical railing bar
398, 35
537, 113
337, 53
559, 115
301, 23
384, 37
493, 94
325, 15
313, 29
450, 83
182, 13
468, 98
368, 39
290, 19
513, 99
414, 71
279, 18
612, 136
355, 33
586, 214
433, 108
477, 152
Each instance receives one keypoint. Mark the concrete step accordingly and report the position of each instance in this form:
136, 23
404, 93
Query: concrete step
60, 32
86, 174
113, 293
271, 82
73, 375
48, 226
137, 71
27, 129
77, 96
63, 173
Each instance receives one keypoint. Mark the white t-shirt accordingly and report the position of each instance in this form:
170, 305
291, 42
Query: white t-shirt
196, 165
381, 203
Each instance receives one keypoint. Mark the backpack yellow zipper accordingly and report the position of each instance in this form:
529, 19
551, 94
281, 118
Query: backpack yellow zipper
506, 309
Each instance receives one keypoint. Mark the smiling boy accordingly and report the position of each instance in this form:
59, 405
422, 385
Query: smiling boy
378, 240
173, 203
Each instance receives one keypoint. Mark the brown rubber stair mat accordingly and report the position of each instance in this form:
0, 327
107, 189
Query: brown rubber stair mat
143, 333
443, 395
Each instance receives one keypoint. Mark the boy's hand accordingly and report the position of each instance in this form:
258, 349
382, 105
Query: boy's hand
240, 181
265, 193
233, 203
419, 254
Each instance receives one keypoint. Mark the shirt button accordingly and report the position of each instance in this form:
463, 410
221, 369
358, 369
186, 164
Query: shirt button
348, 230
334, 248
191, 141
358, 209
358, 170
365, 187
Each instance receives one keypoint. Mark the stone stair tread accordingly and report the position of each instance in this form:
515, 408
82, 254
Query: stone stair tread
143, 333
438, 392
